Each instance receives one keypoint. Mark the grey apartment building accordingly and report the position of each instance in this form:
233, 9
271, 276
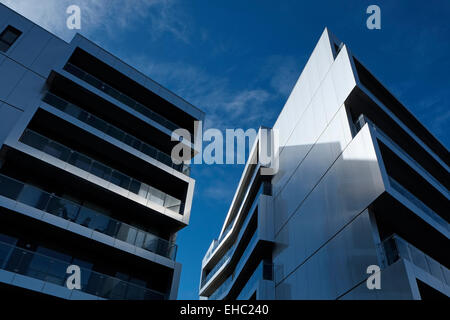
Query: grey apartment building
86, 176
361, 182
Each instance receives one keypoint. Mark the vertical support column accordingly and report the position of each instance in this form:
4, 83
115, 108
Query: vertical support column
175, 281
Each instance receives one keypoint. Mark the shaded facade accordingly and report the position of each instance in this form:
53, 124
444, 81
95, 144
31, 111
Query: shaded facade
361, 182
86, 176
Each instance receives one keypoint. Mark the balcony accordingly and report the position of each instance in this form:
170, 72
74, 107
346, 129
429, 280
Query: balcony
227, 284
411, 148
113, 131
225, 258
48, 269
222, 289
95, 82
219, 241
395, 248
85, 163
91, 219
230, 252
362, 120
418, 203
264, 271
231, 224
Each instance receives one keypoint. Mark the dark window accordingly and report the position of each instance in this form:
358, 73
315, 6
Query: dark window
8, 37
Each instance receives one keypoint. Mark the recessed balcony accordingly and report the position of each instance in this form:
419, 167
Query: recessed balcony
116, 94
263, 272
84, 216
113, 131
225, 286
50, 270
397, 248
147, 193
233, 226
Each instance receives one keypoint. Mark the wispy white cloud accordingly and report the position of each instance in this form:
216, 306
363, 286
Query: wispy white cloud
282, 72
225, 106
110, 16
237, 105
220, 190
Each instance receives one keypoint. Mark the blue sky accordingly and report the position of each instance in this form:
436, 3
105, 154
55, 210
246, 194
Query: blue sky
238, 59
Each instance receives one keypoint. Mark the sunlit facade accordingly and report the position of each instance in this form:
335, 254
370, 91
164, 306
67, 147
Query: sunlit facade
361, 183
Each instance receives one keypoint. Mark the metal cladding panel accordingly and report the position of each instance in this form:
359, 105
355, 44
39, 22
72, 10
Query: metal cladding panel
395, 285
299, 176
303, 121
36, 38
9, 117
347, 189
305, 88
336, 267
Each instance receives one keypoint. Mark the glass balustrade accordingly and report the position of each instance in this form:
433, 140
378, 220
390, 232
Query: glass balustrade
395, 248
116, 94
247, 251
219, 241
225, 285
264, 271
406, 155
230, 225
45, 268
222, 289
360, 122
225, 258
63, 153
230, 251
84, 216
219, 264
113, 131
404, 192
363, 120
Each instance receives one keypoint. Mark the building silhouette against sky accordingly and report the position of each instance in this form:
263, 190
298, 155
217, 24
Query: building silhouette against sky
361, 182
86, 176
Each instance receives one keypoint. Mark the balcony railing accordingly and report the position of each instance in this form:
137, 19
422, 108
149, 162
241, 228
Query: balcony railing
362, 120
395, 248
231, 224
219, 264
264, 271
94, 220
408, 195
225, 286
45, 268
113, 131
230, 251
222, 289
248, 249
406, 155
85, 163
116, 94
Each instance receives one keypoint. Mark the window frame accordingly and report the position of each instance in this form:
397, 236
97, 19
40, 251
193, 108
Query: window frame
9, 44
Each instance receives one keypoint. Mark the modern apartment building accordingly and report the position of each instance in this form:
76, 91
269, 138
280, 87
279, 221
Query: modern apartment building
86, 176
361, 182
